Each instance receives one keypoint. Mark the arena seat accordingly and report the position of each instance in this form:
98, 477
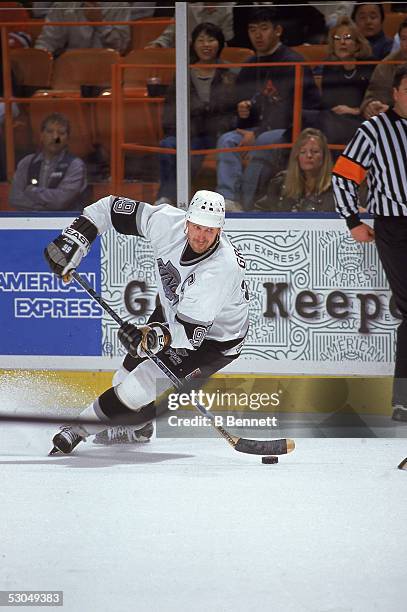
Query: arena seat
142, 121
143, 31
32, 67
236, 55
142, 125
79, 67
391, 23
137, 77
79, 114
312, 53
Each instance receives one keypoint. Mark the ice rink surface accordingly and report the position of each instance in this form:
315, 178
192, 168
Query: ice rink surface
181, 524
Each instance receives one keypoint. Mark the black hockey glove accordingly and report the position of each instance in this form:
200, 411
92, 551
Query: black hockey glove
65, 253
130, 336
155, 337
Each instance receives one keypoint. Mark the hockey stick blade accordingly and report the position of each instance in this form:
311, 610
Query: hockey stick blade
265, 447
403, 464
257, 447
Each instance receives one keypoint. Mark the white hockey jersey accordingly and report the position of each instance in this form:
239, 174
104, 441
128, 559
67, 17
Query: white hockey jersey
204, 297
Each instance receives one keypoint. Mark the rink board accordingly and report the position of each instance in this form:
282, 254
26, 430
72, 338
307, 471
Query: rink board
320, 303
43, 390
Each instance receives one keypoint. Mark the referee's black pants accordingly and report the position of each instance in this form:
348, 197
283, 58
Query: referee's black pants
391, 242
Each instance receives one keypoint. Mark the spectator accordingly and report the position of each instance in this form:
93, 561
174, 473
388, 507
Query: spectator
142, 10
19, 40
343, 87
379, 95
333, 11
165, 8
301, 23
265, 97
52, 179
369, 19
212, 104
200, 12
40, 9
241, 11
139, 10
57, 39
306, 184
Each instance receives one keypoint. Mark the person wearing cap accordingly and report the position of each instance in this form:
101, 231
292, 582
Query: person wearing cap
202, 317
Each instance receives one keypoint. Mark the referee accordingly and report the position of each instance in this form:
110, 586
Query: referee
378, 152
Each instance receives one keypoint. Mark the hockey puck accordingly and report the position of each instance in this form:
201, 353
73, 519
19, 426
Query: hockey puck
270, 459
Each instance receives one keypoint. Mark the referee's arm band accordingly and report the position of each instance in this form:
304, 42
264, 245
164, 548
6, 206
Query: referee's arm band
348, 169
353, 221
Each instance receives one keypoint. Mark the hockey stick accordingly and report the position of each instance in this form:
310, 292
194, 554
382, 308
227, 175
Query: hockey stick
243, 445
403, 464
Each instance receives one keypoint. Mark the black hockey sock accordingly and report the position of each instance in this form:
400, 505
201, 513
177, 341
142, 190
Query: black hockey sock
113, 408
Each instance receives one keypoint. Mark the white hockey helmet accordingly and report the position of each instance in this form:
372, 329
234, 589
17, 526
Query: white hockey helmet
207, 208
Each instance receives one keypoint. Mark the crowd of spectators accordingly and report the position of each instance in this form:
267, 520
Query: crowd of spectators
230, 108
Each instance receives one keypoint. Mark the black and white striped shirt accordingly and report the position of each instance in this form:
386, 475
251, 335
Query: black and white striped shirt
377, 151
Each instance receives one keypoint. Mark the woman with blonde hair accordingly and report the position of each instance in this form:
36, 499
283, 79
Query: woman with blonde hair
306, 184
343, 86
363, 48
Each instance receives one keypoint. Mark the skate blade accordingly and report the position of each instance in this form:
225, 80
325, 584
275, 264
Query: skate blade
54, 451
132, 443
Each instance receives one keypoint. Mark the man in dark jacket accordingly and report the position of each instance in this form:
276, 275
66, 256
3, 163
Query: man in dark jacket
54, 178
265, 98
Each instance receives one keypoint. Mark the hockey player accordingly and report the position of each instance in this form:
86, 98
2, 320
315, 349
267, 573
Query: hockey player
202, 320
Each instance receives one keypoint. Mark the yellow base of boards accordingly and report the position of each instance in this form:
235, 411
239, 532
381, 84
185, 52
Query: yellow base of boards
76, 389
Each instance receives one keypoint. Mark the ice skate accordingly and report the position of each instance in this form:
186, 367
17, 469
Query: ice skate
122, 434
67, 439
399, 413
